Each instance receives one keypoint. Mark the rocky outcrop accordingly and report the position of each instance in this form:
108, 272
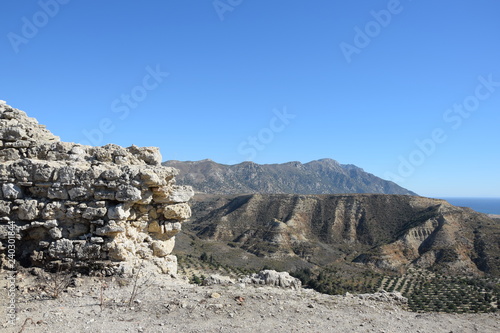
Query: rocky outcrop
266, 277
218, 279
273, 278
65, 202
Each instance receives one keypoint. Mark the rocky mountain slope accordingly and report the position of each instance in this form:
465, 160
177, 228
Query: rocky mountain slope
324, 176
390, 232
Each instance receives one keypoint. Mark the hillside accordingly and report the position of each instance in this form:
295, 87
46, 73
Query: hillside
385, 232
324, 176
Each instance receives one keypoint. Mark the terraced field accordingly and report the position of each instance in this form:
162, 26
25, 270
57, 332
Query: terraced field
426, 291
431, 292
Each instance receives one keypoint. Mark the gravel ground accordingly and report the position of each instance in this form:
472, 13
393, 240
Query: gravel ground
173, 305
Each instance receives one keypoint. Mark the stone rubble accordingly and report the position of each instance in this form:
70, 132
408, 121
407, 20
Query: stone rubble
266, 277
217, 279
273, 278
65, 202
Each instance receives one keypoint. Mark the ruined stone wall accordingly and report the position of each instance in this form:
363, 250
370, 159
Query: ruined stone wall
108, 206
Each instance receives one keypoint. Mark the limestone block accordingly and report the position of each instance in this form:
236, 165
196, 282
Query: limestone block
11, 191
66, 175
118, 212
111, 174
110, 230
13, 133
28, 210
38, 191
55, 233
161, 194
180, 194
117, 251
150, 155
91, 213
43, 173
72, 213
79, 193
127, 193
101, 154
163, 248
21, 171
179, 211
52, 210
4, 208
154, 227
87, 251
62, 248
150, 177
77, 154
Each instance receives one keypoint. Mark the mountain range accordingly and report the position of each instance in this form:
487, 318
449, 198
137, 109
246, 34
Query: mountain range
325, 176
324, 213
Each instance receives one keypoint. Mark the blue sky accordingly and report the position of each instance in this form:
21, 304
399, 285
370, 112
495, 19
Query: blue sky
407, 90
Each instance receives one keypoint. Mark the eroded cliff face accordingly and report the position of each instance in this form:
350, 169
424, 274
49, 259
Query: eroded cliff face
107, 206
391, 232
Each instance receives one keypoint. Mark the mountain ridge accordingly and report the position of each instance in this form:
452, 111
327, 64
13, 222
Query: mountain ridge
323, 176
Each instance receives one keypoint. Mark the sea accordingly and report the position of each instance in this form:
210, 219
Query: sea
482, 205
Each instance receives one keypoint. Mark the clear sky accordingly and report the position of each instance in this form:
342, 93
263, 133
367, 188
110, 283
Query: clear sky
407, 90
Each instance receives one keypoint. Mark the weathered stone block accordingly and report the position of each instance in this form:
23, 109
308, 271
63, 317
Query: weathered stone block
28, 210
110, 230
55, 233
127, 193
118, 212
180, 194
163, 248
79, 193
180, 211
4, 208
11, 191
90, 213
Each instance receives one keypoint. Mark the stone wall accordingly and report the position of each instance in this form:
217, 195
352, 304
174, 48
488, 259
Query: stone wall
107, 206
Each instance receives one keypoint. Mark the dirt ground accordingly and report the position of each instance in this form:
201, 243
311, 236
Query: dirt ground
165, 304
